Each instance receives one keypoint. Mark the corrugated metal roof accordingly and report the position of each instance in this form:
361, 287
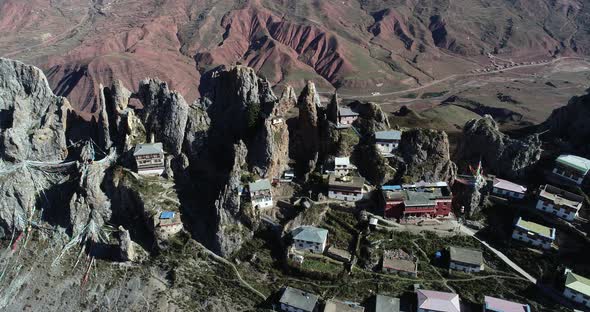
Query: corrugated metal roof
342, 161
438, 301
148, 149
501, 305
386, 304
466, 255
578, 283
510, 186
345, 111
167, 215
339, 306
310, 234
299, 299
259, 185
388, 135
576, 162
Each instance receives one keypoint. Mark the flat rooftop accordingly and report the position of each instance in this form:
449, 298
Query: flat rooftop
576, 162
536, 228
560, 197
347, 182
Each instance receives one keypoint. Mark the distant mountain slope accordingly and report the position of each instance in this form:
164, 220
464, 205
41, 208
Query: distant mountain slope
362, 45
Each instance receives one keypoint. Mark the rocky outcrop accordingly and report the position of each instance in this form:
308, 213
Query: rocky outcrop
90, 208
197, 132
230, 233
332, 109
32, 118
499, 153
240, 105
371, 164
287, 102
126, 247
164, 114
571, 123
371, 118
307, 142
125, 129
424, 155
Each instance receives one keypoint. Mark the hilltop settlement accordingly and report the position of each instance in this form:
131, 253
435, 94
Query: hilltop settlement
244, 200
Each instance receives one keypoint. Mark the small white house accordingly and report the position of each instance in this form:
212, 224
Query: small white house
558, 202
464, 259
260, 194
310, 238
533, 233
387, 141
572, 168
342, 166
507, 189
577, 288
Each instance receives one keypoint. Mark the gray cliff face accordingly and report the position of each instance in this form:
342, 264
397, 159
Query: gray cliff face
197, 132
499, 153
230, 232
571, 123
307, 141
237, 99
119, 121
90, 208
425, 156
240, 105
164, 114
32, 118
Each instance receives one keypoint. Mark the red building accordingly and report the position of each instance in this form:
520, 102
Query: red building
423, 200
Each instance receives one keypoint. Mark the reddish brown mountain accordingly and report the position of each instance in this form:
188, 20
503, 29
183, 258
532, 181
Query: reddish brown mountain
359, 46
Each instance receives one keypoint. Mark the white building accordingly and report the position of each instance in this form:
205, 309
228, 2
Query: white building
310, 238
342, 166
260, 194
149, 158
572, 168
387, 141
577, 288
347, 188
466, 260
507, 189
558, 202
295, 300
533, 233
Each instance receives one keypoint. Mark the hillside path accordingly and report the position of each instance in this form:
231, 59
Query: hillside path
502, 256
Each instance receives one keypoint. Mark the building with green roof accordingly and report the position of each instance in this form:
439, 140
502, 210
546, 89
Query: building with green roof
577, 288
533, 233
572, 168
